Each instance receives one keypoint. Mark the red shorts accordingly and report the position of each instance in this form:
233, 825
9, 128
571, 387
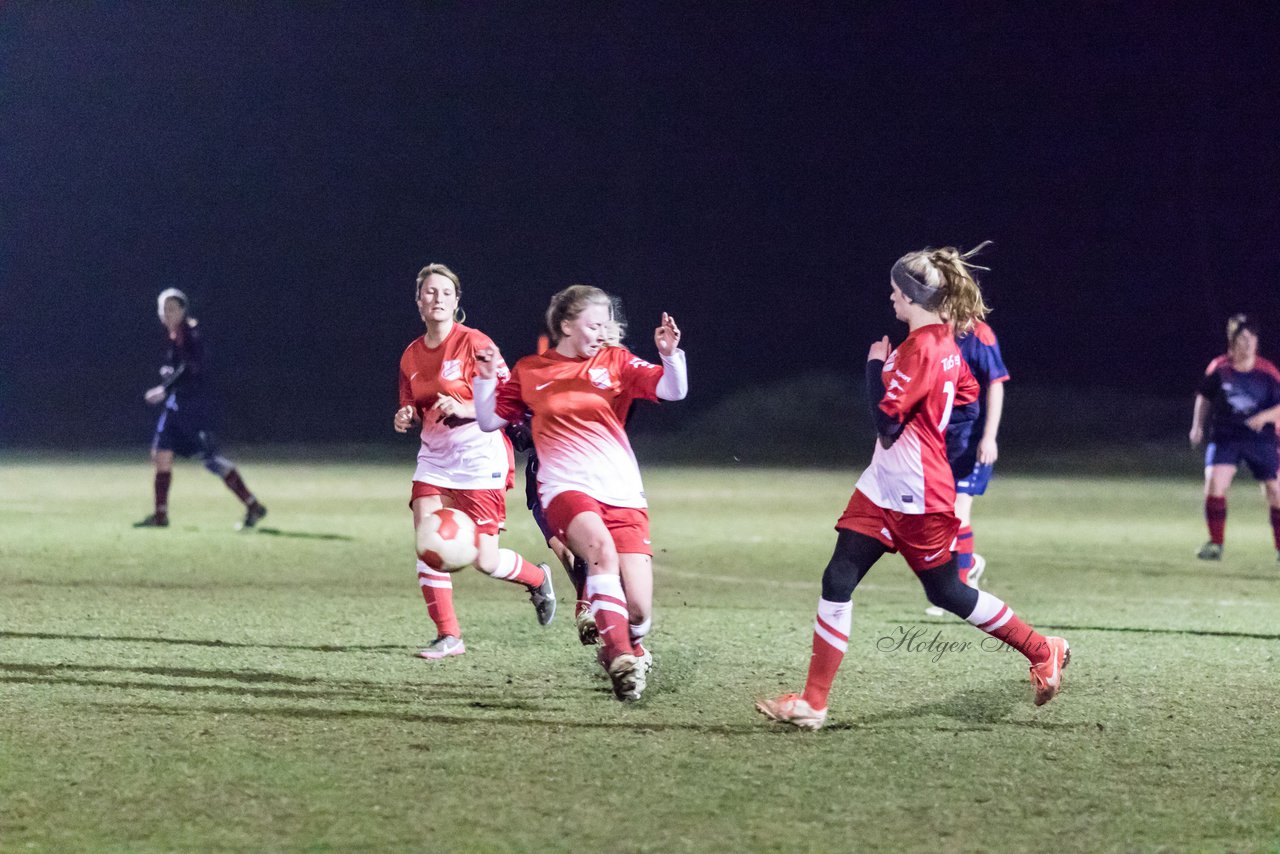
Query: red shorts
486, 507
924, 539
629, 526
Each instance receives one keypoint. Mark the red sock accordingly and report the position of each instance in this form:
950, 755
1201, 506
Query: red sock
163, 479
998, 620
830, 642
437, 591
1275, 526
1215, 513
234, 482
512, 567
609, 607
964, 552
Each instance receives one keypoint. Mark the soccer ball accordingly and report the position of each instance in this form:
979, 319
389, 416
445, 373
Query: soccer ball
448, 540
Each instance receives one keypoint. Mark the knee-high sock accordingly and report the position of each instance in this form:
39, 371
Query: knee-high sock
964, 552
830, 643
236, 484
609, 607
514, 568
997, 619
163, 480
1215, 515
437, 591
1275, 526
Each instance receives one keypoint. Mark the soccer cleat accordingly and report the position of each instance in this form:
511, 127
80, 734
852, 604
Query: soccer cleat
646, 661
975, 571
543, 597
155, 520
443, 647
1046, 676
252, 515
792, 709
1210, 551
627, 675
588, 634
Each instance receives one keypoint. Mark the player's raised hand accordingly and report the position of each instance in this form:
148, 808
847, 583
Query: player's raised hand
154, 395
487, 360
667, 335
405, 418
880, 350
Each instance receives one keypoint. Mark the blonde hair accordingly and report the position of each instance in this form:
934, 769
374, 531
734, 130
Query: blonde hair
570, 303
947, 269
1238, 323
438, 270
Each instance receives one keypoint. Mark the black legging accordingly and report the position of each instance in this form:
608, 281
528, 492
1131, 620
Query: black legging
856, 553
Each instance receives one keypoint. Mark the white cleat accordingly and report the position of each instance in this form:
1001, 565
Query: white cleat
792, 709
627, 674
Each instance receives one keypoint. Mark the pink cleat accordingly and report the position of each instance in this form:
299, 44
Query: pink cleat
1046, 677
792, 709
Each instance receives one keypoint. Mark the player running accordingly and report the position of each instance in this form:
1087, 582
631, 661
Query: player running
588, 480
971, 441
458, 464
1239, 401
905, 500
186, 420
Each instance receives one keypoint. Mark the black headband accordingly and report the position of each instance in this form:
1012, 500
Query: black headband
917, 291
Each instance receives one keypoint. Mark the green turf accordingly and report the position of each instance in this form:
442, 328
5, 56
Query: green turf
195, 688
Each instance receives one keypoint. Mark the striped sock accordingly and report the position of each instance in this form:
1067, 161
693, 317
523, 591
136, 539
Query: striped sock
1215, 514
830, 643
512, 567
997, 619
609, 607
437, 591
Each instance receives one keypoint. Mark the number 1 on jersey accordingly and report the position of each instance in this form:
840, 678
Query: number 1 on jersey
949, 389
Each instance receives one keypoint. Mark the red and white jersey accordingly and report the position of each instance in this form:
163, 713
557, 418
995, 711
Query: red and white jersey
461, 456
578, 408
923, 379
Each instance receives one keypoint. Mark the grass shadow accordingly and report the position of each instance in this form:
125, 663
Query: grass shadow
301, 535
403, 648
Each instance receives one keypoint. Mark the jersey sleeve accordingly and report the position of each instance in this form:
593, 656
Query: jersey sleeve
907, 380
639, 378
406, 389
967, 388
1210, 385
480, 341
510, 405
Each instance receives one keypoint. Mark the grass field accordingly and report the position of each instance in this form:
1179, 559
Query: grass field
199, 689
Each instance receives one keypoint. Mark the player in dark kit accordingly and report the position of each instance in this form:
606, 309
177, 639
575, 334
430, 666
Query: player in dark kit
185, 425
1239, 400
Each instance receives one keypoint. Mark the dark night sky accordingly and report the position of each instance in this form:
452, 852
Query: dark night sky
754, 169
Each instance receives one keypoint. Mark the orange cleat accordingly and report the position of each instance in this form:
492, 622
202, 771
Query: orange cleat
1046, 676
792, 709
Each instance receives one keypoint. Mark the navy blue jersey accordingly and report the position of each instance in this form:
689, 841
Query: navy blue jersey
184, 374
981, 352
1234, 396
